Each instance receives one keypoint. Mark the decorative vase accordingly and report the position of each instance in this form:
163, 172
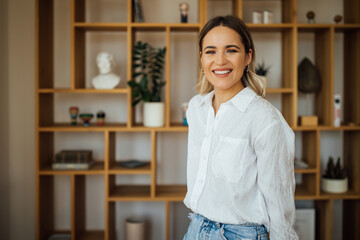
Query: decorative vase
334, 185
86, 117
154, 114
135, 229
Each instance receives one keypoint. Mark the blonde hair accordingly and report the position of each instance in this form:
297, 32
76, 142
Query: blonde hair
250, 78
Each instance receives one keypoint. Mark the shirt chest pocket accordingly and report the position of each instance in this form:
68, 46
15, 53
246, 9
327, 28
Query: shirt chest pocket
231, 158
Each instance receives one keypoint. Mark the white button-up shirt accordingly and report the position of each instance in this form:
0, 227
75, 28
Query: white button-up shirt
240, 165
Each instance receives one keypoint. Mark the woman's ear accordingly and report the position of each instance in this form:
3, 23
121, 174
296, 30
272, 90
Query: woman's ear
248, 57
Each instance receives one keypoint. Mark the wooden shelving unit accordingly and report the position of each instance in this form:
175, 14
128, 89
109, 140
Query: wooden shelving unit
47, 127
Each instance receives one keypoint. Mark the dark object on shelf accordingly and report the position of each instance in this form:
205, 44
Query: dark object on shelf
148, 65
132, 163
334, 171
86, 117
337, 19
73, 156
309, 80
60, 236
137, 15
310, 16
101, 118
73, 114
73, 160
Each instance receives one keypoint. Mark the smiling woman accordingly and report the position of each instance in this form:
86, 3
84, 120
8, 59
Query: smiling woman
240, 166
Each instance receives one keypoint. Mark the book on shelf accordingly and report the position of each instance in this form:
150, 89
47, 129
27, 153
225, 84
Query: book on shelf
73, 159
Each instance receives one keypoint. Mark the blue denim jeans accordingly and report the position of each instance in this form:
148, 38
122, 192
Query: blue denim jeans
202, 228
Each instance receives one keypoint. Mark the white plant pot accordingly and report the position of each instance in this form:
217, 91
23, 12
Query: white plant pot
154, 114
334, 185
135, 229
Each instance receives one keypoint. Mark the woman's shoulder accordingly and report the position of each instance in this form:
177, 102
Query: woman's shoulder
264, 112
197, 100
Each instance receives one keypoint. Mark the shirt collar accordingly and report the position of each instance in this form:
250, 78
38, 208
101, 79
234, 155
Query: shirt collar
241, 100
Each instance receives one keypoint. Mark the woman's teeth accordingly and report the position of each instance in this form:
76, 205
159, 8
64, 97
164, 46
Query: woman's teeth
222, 72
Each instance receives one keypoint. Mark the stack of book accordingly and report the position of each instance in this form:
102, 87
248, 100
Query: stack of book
73, 159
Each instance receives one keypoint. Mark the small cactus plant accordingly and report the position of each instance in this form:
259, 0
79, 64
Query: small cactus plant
334, 171
261, 69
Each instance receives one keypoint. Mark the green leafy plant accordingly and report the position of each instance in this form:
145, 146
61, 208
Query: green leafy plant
334, 171
261, 69
148, 64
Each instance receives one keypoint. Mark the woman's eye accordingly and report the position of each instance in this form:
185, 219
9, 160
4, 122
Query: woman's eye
231, 51
210, 52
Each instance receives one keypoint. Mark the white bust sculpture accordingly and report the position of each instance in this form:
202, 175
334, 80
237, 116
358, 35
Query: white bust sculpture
106, 79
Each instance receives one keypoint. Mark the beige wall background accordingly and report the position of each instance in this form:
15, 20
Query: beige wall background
17, 126
4, 122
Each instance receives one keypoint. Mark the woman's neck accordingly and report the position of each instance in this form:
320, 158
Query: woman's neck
222, 96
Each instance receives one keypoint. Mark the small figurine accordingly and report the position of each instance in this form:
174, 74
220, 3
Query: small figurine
310, 16
106, 79
86, 117
100, 118
184, 108
73, 114
337, 19
184, 8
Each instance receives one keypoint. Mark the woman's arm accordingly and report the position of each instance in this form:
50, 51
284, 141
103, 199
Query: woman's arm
275, 149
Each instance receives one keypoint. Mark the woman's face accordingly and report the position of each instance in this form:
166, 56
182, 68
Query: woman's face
223, 58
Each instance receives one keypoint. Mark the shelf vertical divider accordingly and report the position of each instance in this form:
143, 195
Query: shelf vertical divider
78, 204
167, 220
130, 43
167, 77
351, 76
318, 165
351, 11
324, 61
203, 12
289, 12
109, 206
324, 219
289, 75
237, 8
153, 164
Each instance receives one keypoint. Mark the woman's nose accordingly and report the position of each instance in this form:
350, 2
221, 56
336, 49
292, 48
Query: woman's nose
220, 58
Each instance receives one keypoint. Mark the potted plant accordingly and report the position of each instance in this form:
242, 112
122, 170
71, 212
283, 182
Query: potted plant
261, 69
335, 179
148, 64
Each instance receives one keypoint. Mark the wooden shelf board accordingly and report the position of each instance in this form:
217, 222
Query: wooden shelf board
171, 192
275, 27
346, 27
101, 26
66, 127
142, 193
68, 90
279, 90
327, 128
304, 27
301, 193
306, 171
130, 193
117, 169
351, 194
93, 235
96, 169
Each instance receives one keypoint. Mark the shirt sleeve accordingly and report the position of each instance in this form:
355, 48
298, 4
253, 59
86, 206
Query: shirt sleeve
275, 149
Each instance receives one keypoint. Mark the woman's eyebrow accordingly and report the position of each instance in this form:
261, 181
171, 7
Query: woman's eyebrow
229, 46
212, 47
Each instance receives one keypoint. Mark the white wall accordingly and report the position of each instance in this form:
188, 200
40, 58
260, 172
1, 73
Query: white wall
4, 123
